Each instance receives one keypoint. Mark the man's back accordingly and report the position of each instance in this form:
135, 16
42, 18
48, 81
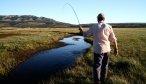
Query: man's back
102, 33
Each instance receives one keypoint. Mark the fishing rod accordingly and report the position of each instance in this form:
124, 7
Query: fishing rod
74, 12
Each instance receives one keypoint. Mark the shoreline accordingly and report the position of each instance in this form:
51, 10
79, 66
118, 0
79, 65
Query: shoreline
30, 53
15, 51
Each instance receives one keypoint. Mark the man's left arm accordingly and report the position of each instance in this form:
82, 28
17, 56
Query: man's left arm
81, 30
87, 33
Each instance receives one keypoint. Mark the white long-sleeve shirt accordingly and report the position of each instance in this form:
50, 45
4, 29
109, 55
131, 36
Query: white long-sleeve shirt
102, 36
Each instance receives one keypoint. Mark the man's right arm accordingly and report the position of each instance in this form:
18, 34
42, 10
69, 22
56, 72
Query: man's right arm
115, 48
113, 39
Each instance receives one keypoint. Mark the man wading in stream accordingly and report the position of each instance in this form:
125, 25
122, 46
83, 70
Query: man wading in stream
102, 36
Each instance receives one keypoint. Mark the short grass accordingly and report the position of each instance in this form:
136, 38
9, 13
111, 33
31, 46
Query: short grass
18, 44
128, 68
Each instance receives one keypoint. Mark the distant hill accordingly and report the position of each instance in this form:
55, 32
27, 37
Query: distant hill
121, 25
34, 21
128, 25
29, 21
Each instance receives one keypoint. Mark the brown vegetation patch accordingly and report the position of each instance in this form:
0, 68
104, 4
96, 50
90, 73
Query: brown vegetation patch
8, 35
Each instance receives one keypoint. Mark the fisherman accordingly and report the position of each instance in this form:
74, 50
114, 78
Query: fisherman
102, 36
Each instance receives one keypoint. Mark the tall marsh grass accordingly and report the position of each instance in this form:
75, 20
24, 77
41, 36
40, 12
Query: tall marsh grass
128, 68
18, 44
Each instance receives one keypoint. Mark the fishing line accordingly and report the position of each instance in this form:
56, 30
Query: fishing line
73, 11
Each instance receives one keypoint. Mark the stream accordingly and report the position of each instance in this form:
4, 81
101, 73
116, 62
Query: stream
45, 63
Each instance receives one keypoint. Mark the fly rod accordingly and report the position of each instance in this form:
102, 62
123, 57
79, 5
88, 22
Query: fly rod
74, 12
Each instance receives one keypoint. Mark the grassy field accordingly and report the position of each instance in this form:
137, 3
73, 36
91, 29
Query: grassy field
17, 45
128, 68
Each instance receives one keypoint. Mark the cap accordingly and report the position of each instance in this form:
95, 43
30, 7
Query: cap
100, 15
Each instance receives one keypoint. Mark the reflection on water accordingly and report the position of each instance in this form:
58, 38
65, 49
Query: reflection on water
48, 62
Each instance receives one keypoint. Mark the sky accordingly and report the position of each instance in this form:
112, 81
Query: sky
115, 11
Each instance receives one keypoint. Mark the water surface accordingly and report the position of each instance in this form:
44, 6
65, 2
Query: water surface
48, 62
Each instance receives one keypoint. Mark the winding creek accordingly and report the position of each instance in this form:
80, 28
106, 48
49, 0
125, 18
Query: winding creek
45, 63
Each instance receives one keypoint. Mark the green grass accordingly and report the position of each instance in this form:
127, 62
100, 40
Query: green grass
17, 45
128, 68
